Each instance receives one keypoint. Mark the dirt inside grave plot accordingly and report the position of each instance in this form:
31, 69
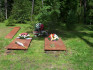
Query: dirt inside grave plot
12, 33
14, 46
54, 45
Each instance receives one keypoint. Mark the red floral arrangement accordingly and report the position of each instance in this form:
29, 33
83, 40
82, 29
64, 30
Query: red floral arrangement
24, 35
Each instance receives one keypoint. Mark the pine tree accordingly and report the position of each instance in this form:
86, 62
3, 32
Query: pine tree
6, 9
21, 11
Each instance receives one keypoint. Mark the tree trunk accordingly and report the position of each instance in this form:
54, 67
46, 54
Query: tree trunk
84, 11
0, 7
81, 11
0, 10
32, 9
42, 3
6, 9
80, 3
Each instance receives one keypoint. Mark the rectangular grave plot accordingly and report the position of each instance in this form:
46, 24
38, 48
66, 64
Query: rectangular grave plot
14, 46
54, 45
12, 33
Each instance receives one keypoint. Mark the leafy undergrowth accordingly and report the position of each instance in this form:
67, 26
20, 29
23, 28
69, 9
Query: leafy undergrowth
79, 54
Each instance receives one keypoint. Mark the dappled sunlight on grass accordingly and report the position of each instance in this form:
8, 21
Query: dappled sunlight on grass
79, 54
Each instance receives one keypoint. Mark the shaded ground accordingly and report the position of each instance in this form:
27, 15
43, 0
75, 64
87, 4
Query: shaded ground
79, 54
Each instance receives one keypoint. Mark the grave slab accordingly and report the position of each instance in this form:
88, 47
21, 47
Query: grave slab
12, 33
54, 45
13, 46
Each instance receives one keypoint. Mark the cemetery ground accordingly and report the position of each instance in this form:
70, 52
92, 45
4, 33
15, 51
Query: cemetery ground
79, 54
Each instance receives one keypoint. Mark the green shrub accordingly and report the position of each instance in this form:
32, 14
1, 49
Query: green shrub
21, 11
71, 20
48, 16
2, 18
10, 22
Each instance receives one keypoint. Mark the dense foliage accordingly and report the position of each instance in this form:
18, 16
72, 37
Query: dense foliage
49, 12
21, 10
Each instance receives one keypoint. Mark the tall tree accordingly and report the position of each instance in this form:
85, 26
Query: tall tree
6, 9
21, 11
0, 7
42, 3
32, 9
85, 11
0, 10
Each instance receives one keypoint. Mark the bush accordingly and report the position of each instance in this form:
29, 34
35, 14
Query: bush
21, 11
48, 16
2, 18
71, 20
10, 22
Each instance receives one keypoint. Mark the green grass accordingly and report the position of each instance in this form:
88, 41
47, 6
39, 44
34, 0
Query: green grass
79, 54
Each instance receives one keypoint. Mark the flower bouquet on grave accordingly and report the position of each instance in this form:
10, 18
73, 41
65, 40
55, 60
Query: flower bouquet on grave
23, 36
39, 30
53, 37
36, 33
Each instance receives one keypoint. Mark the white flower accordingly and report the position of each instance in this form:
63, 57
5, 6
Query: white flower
56, 37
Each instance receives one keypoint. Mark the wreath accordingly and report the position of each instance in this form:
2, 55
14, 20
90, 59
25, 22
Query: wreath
24, 35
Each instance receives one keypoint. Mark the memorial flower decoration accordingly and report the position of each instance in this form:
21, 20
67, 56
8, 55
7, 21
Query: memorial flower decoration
53, 37
39, 30
24, 35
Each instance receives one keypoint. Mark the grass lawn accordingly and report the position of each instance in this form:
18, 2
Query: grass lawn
79, 54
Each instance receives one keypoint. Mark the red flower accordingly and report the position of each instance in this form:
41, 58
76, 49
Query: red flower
24, 34
51, 35
41, 27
